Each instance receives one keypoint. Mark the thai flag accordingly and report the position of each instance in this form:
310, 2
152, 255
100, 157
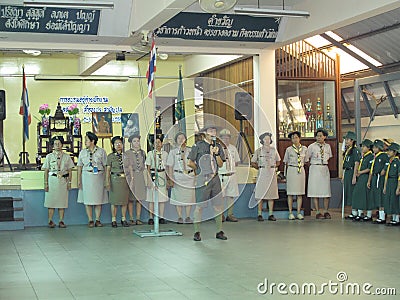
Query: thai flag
152, 69
24, 107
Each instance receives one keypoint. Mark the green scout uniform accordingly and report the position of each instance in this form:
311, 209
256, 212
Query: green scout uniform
390, 199
352, 156
361, 193
377, 181
208, 184
119, 189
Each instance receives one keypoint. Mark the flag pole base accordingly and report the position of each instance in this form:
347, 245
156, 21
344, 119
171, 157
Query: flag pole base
152, 233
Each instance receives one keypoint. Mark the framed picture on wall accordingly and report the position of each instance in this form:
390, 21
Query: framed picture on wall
130, 124
102, 124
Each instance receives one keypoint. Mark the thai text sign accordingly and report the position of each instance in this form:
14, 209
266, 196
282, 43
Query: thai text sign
200, 26
49, 20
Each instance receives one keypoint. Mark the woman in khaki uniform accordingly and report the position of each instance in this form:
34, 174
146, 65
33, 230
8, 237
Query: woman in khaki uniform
134, 166
265, 160
57, 181
294, 159
116, 182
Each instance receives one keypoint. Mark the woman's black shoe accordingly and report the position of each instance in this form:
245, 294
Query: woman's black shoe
114, 224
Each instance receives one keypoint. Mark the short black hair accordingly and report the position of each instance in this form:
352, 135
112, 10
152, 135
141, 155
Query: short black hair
323, 131
294, 133
114, 139
92, 137
134, 136
263, 136
56, 138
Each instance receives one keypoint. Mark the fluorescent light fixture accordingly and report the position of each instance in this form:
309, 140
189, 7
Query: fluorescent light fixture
255, 11
70, 4
32, 52
81, 78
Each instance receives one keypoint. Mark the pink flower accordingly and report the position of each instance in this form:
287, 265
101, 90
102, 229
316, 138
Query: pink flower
44, 109
73, 109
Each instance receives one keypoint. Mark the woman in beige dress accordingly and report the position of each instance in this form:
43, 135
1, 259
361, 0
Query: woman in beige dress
91, 178
319, 181
181, 178
134, 166
157, 158
57, 181
294, 159
116, 182
265, 160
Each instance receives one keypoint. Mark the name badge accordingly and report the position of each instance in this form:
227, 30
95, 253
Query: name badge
95, 170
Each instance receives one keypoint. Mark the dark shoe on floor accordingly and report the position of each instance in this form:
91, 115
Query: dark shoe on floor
188, 220
221, 236
138, 222
114, 224
327, 215
150, 222
197, 237
180, 221
52, 224
271, 218
319, 216
125, 223
98, 224
379, 221
260, 218
349, 217
162, 221
223, 218
367, 219
91, 224
231, 218
61, 224
132, 222
356, 219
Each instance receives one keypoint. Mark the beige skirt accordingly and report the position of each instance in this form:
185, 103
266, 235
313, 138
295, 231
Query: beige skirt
295, 181
319, 182
162, 189
57, 196
137, 186
183, 191
267, 184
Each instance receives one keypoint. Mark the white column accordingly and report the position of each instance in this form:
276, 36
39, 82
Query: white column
264, 94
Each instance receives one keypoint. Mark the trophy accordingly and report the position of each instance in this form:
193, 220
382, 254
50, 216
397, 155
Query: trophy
309, 126
329, 121
319, 122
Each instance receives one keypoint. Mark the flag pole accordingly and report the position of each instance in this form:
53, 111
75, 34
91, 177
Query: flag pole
156, 231
23, 153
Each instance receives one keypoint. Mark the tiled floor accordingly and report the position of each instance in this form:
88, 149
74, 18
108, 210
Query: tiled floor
108, 263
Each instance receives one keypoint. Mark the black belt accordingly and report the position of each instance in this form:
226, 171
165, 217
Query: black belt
266, 167
351, 168
319, 164
294, 166
64, 176
228, 174
160, 170
118, 174
91, 171
184, 172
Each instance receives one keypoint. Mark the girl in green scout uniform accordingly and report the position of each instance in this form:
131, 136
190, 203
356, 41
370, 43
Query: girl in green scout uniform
391, 188
116, 182
361, 198
376, 179
351, 162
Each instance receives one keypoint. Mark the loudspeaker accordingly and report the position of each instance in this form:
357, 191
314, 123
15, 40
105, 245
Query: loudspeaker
243, 106
2, 105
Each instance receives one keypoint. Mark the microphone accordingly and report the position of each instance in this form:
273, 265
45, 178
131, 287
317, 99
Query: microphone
214, 141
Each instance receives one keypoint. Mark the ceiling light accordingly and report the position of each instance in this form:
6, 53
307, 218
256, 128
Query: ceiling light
254, 11
70, 4
32, 52
163, 56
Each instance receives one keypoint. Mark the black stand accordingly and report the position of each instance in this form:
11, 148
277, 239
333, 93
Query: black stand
5, 154
239, 144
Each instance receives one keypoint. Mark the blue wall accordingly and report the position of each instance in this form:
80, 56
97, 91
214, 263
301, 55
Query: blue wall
35, 214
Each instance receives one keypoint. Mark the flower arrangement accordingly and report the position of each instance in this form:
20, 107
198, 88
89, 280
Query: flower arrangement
44, 109
73, 109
